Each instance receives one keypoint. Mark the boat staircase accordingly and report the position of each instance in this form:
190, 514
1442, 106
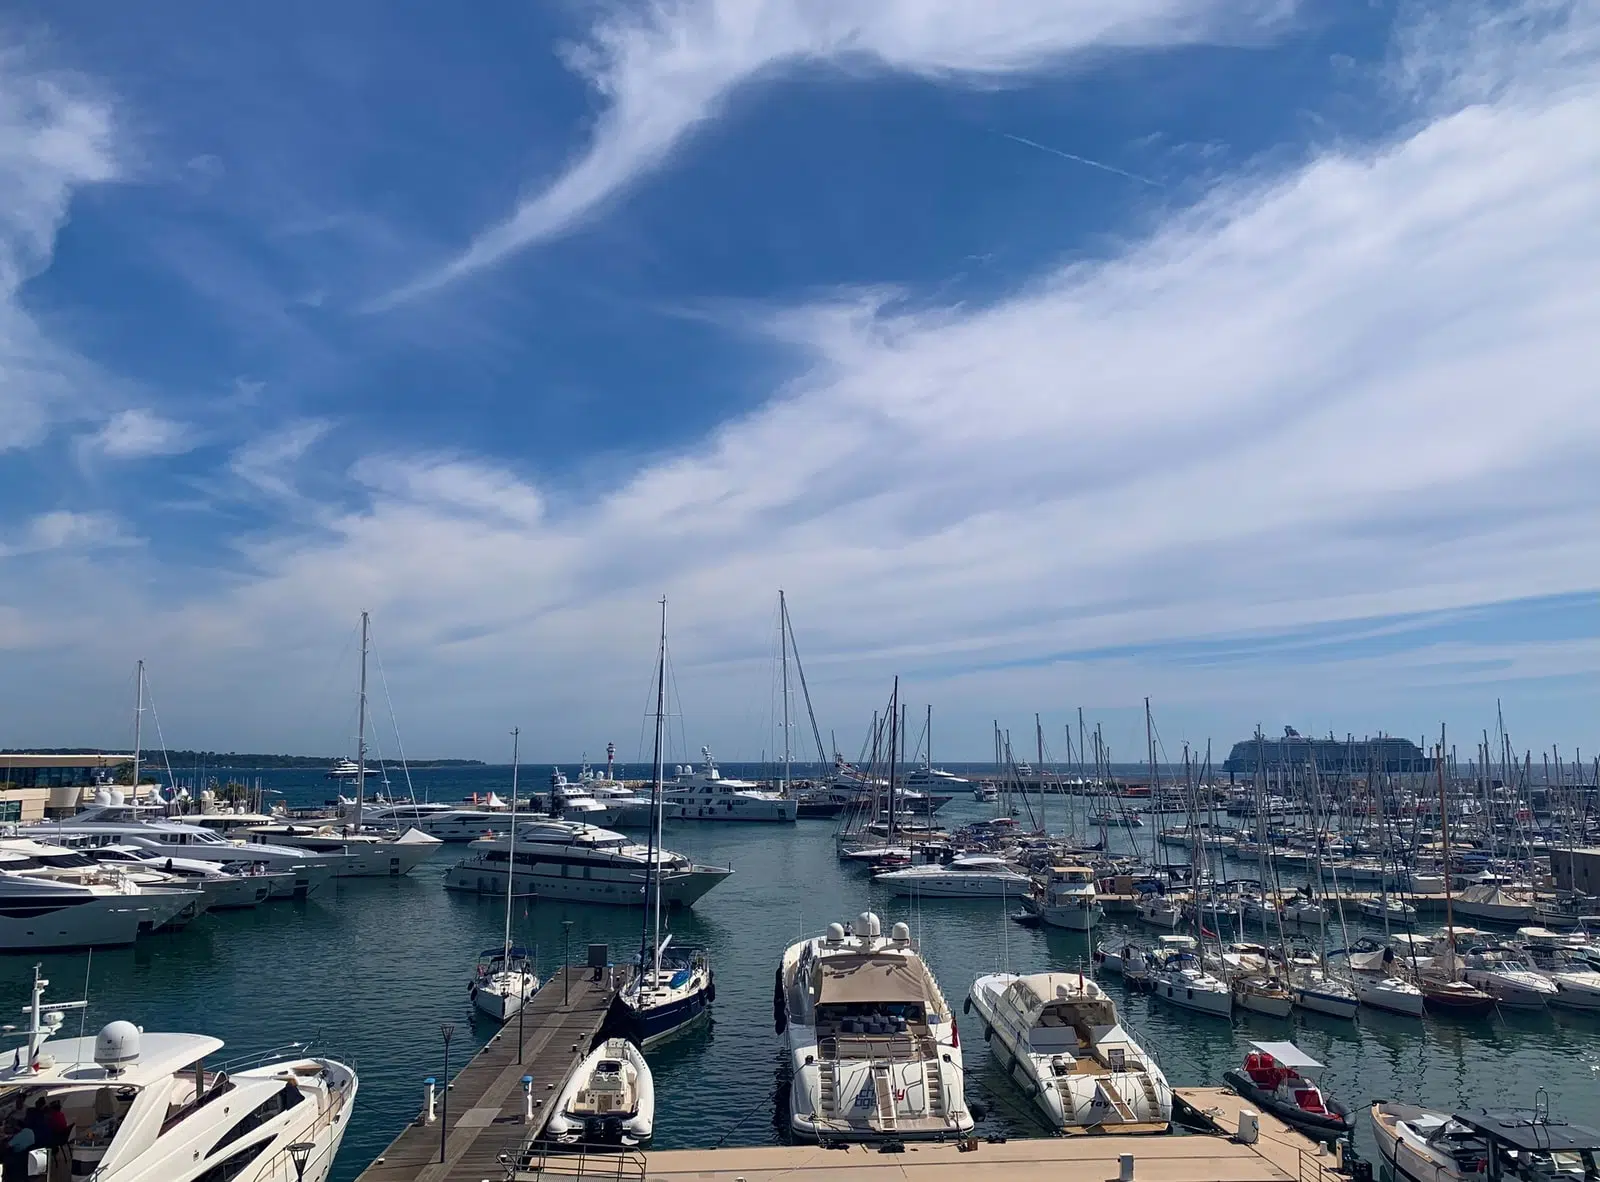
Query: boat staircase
828, 1086
1151, 1095
884, 1089
935, 1088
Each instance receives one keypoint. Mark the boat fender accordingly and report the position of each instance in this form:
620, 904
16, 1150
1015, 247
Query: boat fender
966, 1006
1031, 1091
780, 1018
988, 1032
711, 991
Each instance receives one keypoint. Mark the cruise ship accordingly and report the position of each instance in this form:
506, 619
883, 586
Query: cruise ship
579, 863
875, 1056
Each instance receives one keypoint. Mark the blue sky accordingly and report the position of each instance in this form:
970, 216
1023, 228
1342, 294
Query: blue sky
1048, 353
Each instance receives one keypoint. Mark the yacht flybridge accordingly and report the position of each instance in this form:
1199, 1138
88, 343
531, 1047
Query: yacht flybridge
874, 1049
1060, 1038
144, 1108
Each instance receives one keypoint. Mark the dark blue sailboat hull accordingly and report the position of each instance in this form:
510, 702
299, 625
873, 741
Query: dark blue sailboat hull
657, 1021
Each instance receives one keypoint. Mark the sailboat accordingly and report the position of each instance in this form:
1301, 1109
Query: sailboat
671, 989
1441, 982
505, 978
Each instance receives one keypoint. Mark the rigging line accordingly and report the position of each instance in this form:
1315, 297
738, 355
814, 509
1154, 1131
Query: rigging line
160, 738
399, 743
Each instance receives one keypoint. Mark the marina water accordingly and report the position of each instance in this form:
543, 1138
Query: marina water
370, 968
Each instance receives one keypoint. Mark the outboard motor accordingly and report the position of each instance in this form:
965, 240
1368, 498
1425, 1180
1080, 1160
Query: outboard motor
594, 1130
613, 1130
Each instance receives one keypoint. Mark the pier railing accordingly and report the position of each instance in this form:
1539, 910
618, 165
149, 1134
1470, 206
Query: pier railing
570, 1165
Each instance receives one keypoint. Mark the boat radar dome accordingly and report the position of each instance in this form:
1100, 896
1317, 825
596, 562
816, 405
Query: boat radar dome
836, 933
868, 924
900, 933
116, 1046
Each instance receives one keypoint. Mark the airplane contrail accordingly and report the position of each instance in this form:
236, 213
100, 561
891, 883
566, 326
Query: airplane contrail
1132, 176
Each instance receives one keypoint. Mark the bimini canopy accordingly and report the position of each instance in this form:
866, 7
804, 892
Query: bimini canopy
1286, 1054
857, 980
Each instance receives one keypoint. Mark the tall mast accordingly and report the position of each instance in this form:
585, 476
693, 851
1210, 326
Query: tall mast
511, 859
894, 751
1155, 820
930, 734
1444, 822
652, 868
361, 731
783, 645
138, 719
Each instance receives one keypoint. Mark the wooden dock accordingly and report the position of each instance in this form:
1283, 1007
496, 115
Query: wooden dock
487, 1106
1279, 1155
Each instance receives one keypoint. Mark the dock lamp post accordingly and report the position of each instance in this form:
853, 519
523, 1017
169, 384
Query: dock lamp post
447, 1029
299, 1154
566, 966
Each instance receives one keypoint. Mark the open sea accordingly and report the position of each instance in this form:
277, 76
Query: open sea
368, 969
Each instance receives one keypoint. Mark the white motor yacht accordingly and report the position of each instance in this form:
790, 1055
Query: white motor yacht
142, 1107
135, 826
1066, 899
367, 854
1181, 978
1059, 1037
1159, 911
42, 860
969, 876
447, 822
38, 912
1389, 910
1576, 980
1495, 1145
705, 795
227, 887
1503, 974
1124, 959
609, 1100
874, 1051
985, 793
579, 863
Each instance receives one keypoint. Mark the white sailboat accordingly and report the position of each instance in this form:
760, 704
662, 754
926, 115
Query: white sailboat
669, 991
505, 979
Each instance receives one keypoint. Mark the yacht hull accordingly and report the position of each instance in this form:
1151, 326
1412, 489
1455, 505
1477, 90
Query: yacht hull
656, 1023
677, 890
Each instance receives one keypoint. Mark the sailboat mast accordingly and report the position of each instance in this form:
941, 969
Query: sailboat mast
783, 646
652, 866
1444, 823
361, 730
138, 719
894, 751
511, 857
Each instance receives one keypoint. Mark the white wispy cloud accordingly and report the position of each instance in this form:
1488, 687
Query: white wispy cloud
56, 136
63, 529
1361, 387
139, 433
267, 463
665, 66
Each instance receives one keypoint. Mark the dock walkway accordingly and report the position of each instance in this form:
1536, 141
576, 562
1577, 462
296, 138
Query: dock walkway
486, 1102
1279, 1155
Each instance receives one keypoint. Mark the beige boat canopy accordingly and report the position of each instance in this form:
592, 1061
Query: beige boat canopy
1063, 994
857, 980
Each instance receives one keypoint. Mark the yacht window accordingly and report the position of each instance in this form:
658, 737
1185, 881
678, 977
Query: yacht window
256, 1117
226, 1171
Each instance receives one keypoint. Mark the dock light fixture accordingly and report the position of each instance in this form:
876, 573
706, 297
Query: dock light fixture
299, 1154
448, 1030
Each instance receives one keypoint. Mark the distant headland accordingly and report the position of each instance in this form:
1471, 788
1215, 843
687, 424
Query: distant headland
234, 760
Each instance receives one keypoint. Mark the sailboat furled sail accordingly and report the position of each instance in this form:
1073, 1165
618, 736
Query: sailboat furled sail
674, 986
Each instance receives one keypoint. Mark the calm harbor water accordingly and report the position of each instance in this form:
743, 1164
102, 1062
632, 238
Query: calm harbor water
371, 968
